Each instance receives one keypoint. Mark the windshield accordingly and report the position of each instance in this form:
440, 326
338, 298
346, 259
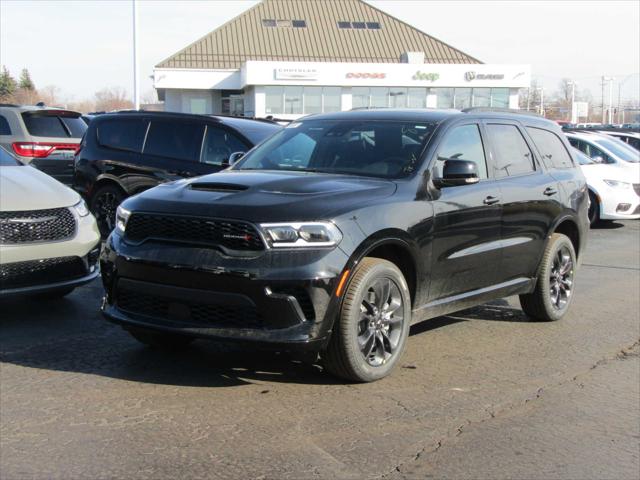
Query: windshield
619, 149
7, 160
582, 158
383, 149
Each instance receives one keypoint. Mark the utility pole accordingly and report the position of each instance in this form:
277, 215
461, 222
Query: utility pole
529, 98
541, 101
136, 79
602, 103
574, 113
611, 80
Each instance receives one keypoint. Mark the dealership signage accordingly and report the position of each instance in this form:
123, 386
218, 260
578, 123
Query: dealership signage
431, 77
296, 73
470, 76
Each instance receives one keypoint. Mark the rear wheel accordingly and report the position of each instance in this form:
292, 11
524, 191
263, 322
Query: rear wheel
371, 331
104, 204
161, 340
554, 290
594, 209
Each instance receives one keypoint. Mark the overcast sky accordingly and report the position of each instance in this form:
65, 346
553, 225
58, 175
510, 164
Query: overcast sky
83, 46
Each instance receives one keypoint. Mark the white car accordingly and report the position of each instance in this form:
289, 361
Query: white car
611, 195
49, 241
605, 149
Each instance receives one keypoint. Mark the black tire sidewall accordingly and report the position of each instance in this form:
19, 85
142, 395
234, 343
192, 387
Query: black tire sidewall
350, 317
593, 219
556, 243
116, 191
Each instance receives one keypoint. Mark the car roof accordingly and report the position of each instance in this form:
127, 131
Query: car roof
433, 115
34, 108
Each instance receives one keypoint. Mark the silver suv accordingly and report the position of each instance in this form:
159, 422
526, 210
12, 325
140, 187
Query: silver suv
47, 138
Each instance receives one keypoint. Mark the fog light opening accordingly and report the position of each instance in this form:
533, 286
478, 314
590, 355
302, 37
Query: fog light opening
623, 207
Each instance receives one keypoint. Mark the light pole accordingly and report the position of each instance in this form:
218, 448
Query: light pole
610, 80
541, 100
574, 113
136, 79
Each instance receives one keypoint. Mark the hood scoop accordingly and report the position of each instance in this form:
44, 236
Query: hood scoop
218, 187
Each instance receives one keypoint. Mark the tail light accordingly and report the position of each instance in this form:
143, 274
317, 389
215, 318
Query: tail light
41, 150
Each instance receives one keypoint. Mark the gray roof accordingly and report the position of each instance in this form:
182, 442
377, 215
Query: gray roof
246, 38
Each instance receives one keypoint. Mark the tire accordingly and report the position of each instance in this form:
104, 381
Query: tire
594, 209
370, 335
104, 204
554, 289
161, 340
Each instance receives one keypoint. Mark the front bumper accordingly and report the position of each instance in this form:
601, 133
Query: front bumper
282, 298
619, 204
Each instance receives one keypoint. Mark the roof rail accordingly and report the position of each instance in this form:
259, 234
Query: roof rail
8, 105
499, 110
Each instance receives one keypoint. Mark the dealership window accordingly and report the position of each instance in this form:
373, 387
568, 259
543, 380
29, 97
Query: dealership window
312, 99
299, 100
379, 97
500, 97
273, 100
359, 25
481, 97
398, 98
360, 97
373, 25
417, 98
462, 98
344, 24
444, 97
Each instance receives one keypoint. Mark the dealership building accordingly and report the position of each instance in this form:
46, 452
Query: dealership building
288, 58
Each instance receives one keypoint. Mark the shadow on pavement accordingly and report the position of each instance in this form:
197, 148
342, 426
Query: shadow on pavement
607, 225
69, 335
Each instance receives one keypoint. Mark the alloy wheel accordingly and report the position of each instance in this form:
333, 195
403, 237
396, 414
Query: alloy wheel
561, 278
105, 212
381, 321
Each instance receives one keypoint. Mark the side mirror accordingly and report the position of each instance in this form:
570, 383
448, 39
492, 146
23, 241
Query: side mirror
598, 159
233, 158
457, 172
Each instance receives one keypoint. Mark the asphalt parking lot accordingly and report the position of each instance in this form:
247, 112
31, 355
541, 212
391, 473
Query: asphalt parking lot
480, 394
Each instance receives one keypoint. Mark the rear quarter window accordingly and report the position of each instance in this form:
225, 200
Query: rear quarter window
121, 134
551, 148
4, 126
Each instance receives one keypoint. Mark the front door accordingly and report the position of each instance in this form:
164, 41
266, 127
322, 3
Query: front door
466, 244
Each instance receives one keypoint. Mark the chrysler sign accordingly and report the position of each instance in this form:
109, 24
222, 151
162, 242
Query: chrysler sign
296, 73
469, 76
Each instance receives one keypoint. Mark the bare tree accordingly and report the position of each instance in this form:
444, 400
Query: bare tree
50, 96
112, 98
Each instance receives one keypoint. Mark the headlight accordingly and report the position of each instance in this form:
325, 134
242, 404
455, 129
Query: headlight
313, 234
122, 217
617, 184
81, 208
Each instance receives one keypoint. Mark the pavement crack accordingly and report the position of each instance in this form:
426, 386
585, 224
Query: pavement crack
609, 266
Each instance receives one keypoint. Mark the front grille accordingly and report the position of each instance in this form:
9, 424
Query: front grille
636, 187
41, 272
200, 314
36, 226
211, 232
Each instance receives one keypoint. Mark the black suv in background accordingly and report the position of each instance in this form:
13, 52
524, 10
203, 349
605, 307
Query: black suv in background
343, 229
125, 153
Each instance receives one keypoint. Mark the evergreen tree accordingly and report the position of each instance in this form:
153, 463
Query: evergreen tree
25, 81
7, 83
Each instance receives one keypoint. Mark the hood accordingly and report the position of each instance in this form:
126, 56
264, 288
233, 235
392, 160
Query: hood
263, 196
26, 188
628, 172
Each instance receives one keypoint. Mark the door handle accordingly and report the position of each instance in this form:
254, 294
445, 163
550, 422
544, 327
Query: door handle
550, 191
490, 200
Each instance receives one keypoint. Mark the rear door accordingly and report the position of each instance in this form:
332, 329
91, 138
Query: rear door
172, 149
466, 242
530, 199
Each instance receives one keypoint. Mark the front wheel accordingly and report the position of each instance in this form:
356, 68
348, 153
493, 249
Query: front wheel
104, 204
370, 333
594, 209
554, 289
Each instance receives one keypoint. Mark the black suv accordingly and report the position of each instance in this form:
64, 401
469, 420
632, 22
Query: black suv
342, 230
124, 153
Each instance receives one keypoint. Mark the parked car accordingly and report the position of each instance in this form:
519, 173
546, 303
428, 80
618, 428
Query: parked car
49, 241
46, 138
611, 195
630, 138
603, 149
342, 230
128, 152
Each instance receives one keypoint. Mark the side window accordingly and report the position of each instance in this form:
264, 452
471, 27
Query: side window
512, 154
551, 147
121, 134
462, 143
4, 126
219, 144
177, 140
596, 154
